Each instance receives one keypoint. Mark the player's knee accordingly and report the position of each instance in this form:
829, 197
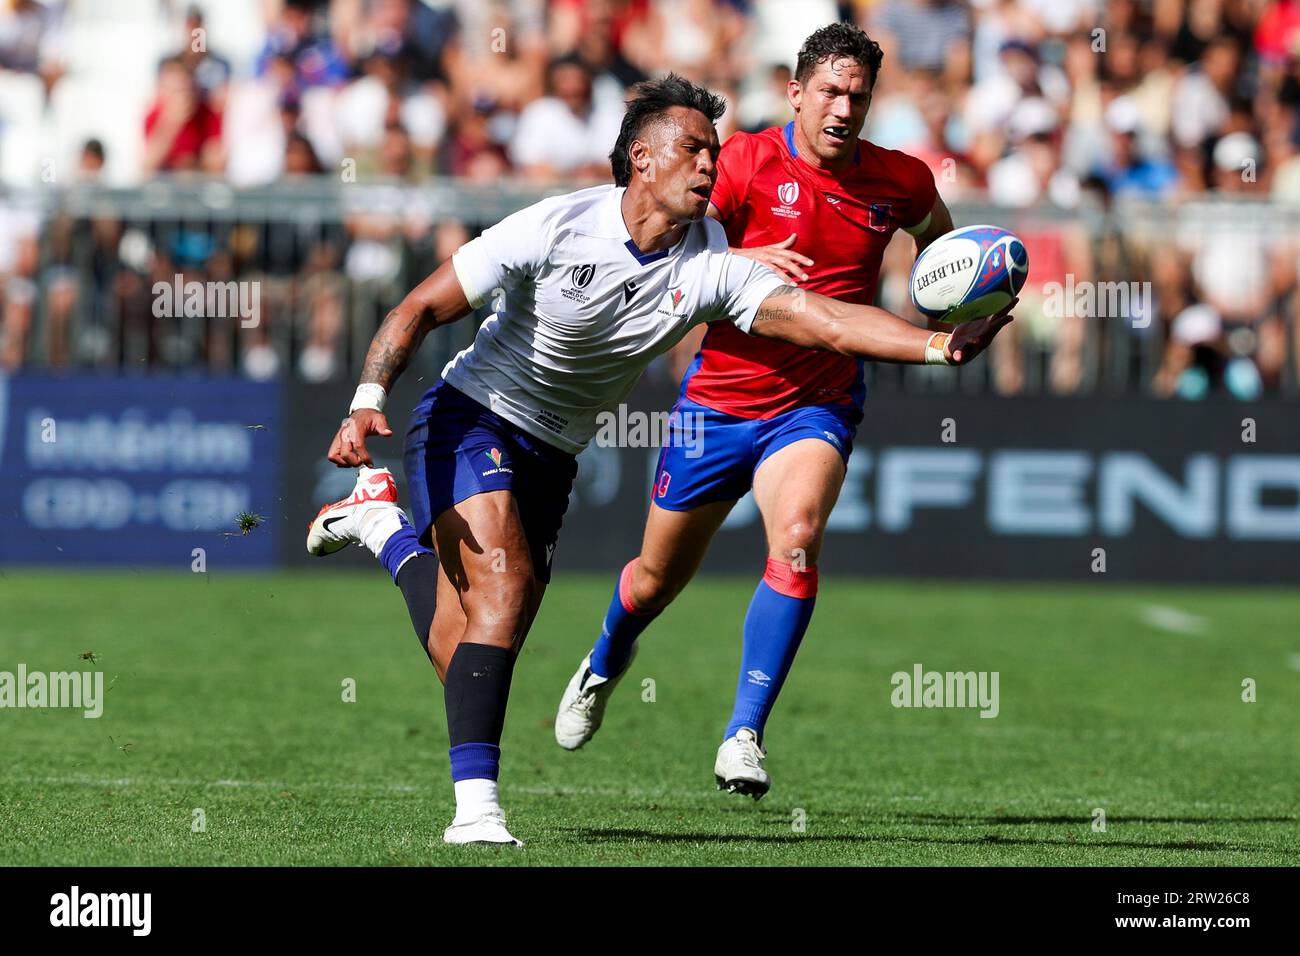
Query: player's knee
798, 540
499, 608
653, 588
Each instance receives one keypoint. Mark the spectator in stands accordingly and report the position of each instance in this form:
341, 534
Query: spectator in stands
211, 72
31, 39
920, 34
1201, 97
316, 59
474, 153
20, 225
382, 98
182, 132
1128, 172
565, 134
90, 164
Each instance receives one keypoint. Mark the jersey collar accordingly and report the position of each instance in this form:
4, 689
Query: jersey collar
794, 153
614, 218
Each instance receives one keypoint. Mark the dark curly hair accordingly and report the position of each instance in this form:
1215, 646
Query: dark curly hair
835, 41
648, 103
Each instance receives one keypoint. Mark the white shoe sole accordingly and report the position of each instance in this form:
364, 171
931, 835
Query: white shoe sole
491, 838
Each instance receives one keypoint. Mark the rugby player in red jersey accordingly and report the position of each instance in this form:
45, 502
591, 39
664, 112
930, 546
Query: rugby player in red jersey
818, 205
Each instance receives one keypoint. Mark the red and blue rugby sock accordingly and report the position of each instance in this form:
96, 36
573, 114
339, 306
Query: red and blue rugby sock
623, 625
775, 624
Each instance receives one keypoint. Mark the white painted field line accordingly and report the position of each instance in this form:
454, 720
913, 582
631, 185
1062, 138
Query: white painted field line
562, 791
74, 781
1173, 620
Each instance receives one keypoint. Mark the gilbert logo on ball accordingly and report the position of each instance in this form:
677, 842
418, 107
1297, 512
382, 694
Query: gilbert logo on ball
970, 273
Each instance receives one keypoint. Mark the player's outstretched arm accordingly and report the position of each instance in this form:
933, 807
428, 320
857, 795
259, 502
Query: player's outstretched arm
866, 332
437, 300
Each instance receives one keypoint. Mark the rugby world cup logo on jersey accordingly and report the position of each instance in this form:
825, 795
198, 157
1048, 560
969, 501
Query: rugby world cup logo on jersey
788, 194
580, 277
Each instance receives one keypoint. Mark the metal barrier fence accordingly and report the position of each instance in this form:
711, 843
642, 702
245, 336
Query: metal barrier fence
1122, 299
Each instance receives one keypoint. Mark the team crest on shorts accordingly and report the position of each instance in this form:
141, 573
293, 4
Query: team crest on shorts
495, 456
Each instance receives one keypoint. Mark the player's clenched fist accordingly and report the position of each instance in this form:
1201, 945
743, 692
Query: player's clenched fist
348, 450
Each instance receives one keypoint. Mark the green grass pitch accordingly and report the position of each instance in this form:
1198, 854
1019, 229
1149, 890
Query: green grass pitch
226, 697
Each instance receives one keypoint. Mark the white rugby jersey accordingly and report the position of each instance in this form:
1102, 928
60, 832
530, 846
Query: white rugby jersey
580, 311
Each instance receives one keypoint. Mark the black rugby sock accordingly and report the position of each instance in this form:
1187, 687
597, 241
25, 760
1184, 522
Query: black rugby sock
418, 581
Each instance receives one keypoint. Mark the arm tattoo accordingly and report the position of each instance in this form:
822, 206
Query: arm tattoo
769, 311
396, 341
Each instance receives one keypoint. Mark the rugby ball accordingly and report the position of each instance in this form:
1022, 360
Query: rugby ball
968, 274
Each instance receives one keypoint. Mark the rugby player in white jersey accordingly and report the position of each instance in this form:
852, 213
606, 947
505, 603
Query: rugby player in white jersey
587, 288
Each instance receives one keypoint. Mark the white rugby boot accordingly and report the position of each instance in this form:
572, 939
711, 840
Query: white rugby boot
489, 827
367, 516
582, 708
739, 767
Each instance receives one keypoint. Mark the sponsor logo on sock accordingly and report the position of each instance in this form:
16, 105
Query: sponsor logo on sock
759, 679
75, 908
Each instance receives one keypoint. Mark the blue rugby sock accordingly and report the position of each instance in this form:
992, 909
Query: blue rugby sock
401, 546
622, 626
775, 624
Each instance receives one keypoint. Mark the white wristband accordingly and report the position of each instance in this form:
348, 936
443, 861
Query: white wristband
935, 353
369, 395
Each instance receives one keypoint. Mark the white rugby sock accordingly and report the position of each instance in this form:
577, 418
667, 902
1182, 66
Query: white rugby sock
474, 798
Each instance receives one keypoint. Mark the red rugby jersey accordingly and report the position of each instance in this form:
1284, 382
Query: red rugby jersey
843, 221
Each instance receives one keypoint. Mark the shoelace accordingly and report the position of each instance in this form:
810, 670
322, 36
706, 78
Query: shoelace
750, 754
584, 701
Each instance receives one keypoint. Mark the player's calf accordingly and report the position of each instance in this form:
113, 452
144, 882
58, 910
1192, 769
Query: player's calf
370, 516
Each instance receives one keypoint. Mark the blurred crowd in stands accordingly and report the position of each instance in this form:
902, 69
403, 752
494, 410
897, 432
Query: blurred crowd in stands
1065, 113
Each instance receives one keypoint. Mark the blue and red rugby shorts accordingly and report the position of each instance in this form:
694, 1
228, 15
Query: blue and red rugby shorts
456, 448
712, 456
